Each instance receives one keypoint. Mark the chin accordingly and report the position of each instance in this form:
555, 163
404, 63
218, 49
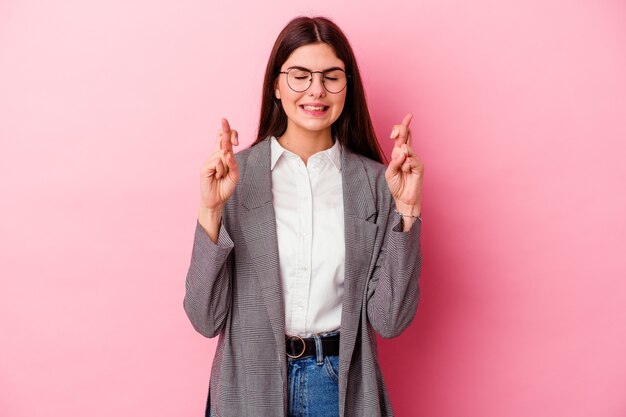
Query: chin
316, 126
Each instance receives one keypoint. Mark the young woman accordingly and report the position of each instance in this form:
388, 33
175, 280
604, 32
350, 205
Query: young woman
306, 246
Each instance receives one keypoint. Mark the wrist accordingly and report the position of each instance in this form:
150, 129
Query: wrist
210, 213
408, 210
210, 220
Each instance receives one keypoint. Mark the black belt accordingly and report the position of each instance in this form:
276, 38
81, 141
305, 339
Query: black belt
298, 347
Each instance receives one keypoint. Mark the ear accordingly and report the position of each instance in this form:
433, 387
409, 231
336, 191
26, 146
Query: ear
276, 90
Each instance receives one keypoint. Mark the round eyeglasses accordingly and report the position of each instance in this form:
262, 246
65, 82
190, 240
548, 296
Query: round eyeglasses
300, 79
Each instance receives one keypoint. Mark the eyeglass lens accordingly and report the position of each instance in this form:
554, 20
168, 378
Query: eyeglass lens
300, 80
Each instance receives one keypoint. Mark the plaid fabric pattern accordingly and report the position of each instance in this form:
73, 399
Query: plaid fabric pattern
233, 291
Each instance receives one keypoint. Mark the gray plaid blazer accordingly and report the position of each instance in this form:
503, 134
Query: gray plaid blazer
233, 290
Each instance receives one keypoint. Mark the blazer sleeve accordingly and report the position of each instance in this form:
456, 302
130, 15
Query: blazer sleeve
208, 284
393, 290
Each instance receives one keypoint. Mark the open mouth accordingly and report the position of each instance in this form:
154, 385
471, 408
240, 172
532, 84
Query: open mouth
314, 109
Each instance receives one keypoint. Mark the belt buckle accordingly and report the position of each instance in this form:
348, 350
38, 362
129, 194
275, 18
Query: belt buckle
303, 346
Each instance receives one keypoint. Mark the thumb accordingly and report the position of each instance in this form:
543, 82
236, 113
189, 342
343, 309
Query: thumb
233, 168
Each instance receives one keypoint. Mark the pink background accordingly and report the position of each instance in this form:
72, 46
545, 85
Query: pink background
108, 109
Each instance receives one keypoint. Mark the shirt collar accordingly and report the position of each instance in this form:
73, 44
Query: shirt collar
276, 152
333, 153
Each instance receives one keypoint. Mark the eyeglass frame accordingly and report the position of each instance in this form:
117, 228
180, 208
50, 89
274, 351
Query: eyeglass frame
315, 72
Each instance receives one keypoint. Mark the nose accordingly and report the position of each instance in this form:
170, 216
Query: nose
317, 86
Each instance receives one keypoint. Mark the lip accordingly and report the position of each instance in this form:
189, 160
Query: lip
315, 104
314, 112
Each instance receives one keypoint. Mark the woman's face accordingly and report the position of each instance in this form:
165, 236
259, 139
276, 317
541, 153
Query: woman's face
315, 109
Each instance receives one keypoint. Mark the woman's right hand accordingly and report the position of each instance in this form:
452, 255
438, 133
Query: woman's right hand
218, 177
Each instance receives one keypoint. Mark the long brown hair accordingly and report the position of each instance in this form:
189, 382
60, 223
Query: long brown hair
353, 129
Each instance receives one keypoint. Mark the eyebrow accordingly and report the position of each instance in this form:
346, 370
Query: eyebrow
307, 69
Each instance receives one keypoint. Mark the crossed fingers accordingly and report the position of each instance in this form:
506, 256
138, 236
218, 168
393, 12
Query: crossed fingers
401, 134
222, 160
226, 137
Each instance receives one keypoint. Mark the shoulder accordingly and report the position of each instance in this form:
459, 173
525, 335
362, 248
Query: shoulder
242, 156
365, 183
255, 155
374, 171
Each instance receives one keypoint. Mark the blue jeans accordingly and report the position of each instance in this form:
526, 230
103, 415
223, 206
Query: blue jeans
314, 385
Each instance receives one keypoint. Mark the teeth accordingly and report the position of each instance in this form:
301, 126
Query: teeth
312, 108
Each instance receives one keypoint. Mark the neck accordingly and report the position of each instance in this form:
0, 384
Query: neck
306, 143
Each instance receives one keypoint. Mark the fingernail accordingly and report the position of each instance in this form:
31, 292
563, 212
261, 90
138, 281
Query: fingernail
394, 133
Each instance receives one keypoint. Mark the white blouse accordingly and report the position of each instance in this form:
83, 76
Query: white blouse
308, 203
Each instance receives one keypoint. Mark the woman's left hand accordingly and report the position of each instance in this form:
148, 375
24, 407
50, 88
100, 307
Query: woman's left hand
405, 171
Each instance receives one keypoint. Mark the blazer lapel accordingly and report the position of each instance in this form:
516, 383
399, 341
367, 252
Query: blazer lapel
360, 236
258, 223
